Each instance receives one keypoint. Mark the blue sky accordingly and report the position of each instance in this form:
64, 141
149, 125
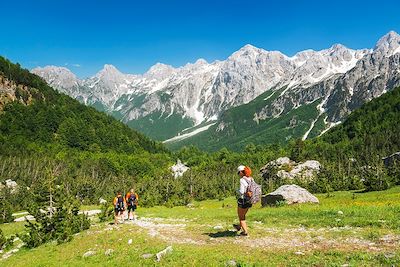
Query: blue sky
133, 35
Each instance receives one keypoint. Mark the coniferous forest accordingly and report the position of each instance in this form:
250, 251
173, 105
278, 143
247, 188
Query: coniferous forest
95, 155
60, 151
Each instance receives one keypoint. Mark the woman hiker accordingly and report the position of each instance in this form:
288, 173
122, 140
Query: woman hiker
132, 199
119, 208
244, 202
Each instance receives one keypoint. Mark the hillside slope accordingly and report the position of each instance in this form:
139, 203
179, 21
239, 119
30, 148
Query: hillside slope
373, 128
33, 114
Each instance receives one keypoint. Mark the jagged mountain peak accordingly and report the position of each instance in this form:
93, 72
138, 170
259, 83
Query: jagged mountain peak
159, 71
389, 44
59, 77
109, 68
109, 72
337, 49
202, 91
201, 61
247, 51
53, 69
391, 35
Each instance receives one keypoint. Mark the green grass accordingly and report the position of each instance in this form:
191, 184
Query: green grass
359, 210
297, 235
10, 229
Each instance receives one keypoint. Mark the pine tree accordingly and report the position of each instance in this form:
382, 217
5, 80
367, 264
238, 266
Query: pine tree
5, 206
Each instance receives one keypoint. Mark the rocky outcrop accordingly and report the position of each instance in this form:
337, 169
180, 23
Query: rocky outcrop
285, 168
10, 91
179, 169
11, 185
288, 194
389, 160
163, 253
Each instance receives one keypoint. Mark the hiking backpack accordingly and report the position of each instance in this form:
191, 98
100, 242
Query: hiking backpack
254, 191
120, 203
132, 199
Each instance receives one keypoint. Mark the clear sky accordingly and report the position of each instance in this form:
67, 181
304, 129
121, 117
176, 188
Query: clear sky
133, 35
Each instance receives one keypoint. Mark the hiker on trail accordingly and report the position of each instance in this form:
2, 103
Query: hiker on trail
119, 208
244, 201
132, 200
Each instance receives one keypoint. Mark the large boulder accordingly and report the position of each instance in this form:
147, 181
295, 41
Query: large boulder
290, 194
285, 168
389, 160
10, 184
179, 169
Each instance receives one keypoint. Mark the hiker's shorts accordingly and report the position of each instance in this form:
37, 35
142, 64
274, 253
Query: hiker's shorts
244, 203
118, 211
132, 208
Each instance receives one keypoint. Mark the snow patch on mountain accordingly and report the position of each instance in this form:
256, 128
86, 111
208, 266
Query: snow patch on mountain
201, 91
187, 135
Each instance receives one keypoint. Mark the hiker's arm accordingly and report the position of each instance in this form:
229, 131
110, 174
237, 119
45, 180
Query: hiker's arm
243, 186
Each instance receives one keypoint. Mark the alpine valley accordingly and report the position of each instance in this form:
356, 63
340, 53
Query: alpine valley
254, 95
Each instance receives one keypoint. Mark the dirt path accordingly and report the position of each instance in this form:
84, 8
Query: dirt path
303, 239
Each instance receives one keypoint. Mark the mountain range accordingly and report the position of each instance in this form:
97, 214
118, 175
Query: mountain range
253, 96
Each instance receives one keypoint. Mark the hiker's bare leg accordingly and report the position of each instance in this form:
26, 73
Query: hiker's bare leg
116, 215
242, 218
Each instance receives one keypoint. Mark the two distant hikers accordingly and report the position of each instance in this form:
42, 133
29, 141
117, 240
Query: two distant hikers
129, 202
249, 194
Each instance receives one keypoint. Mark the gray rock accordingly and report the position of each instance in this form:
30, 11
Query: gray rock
218, 227
109, 252
190, 205
9, 253
231, 263
10, 184
179, 169
89, 253
147, 256
24, 218
389, 160
290, 194
164, 252
284, 168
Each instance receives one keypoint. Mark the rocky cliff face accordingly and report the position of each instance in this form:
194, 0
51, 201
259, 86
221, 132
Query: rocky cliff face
341, 79
9, 92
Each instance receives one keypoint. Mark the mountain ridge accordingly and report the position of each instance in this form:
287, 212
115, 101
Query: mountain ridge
200, 92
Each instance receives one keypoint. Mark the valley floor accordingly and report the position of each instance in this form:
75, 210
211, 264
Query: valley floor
345, 229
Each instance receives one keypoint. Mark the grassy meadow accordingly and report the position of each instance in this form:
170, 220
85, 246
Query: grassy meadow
345, 229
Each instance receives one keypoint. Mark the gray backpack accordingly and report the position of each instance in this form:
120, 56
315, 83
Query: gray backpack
255, 191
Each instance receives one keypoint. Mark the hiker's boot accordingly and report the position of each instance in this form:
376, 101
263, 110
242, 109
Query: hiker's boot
244, 234
237, 227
